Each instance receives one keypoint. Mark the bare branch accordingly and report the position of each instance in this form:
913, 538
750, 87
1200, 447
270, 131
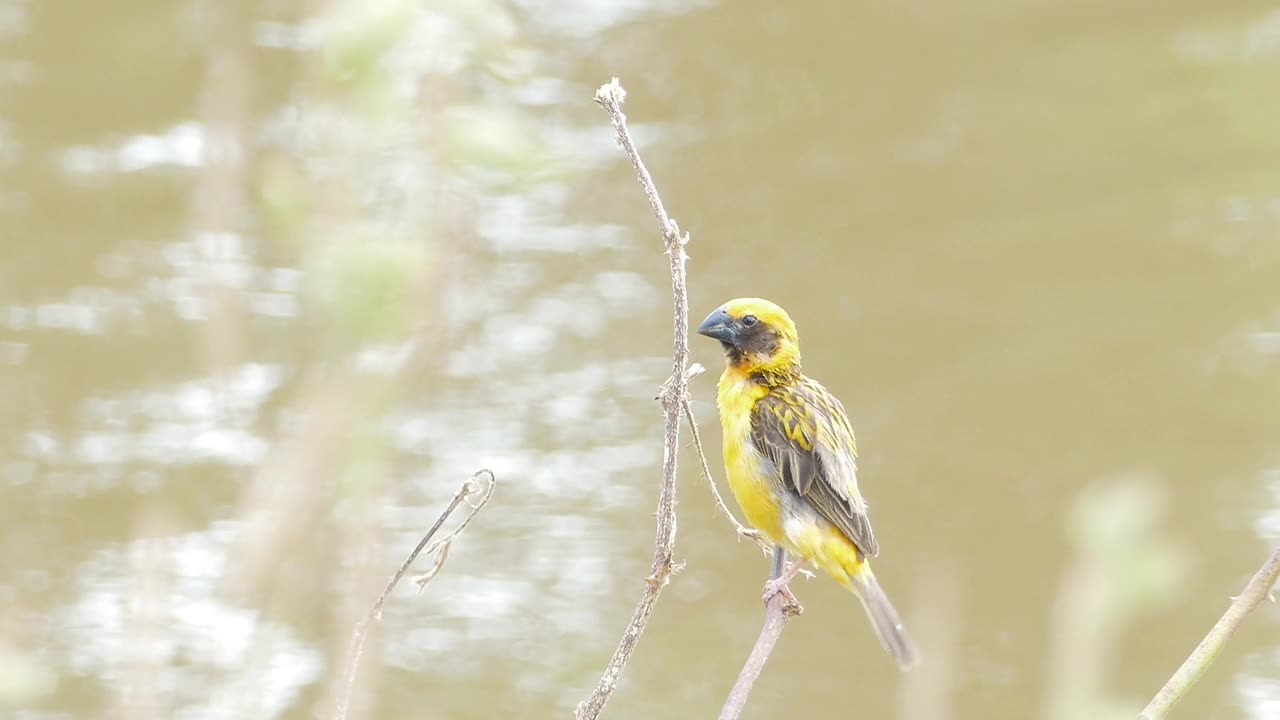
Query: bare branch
1258, 589
438, 563
674, 395
738, 527
441, 546
779, 610
469, 488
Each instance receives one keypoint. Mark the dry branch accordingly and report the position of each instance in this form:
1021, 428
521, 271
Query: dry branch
738, 527
674, 394
1258, 589
469, 488
777, 612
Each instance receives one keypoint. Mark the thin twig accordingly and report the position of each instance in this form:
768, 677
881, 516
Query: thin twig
469, 488
674, 392
1258, 589
738, 527
441, 546
779, 610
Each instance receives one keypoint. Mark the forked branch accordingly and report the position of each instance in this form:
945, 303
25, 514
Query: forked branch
674, 394
472, 486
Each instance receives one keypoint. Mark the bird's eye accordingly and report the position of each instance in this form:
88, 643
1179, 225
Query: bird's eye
749, 320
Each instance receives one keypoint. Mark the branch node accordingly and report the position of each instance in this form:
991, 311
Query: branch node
673, 239
441, 556
665, 390
792, 608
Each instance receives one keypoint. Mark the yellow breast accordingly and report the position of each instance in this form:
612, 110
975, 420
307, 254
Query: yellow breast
736, 396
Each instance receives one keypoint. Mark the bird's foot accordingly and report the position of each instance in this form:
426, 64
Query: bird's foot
778, 586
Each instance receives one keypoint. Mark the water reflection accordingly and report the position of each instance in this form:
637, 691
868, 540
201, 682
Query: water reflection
266, 309
181, 146
1260, 693
149, 606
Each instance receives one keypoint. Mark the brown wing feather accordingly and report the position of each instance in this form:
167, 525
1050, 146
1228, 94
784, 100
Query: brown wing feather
803, 429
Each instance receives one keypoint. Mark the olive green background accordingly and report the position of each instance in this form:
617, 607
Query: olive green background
277, 276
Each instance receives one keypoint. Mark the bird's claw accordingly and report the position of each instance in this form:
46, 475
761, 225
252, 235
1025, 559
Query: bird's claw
791, 607
778, 586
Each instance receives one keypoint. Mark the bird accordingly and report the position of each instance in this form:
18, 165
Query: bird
791, 460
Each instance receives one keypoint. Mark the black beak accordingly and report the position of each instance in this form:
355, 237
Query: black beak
719, 326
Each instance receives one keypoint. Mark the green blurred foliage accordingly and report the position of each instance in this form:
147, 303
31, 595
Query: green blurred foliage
370, 289
1116, 528
358, 36
402, 99
1122, 566
368, 469
283, 199
497, 140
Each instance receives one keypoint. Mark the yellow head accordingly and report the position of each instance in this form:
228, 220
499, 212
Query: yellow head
758, 338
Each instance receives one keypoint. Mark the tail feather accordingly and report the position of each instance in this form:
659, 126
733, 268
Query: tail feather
888, 626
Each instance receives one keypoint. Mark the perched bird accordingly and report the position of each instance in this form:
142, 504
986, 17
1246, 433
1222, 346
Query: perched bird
791, 460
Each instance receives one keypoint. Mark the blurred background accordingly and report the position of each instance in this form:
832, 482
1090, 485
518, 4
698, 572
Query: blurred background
278, 276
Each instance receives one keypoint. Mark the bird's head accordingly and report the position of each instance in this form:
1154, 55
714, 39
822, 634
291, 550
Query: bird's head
758, 337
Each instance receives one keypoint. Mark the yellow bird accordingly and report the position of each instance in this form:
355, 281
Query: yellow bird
791, 460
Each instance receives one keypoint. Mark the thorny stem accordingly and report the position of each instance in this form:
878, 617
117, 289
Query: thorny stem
469, 488
1258, 589
779, 610
610, 97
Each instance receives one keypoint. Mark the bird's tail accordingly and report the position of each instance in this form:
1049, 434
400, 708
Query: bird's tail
889, 628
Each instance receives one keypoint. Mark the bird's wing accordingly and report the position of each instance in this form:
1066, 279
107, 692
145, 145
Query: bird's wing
803, 429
